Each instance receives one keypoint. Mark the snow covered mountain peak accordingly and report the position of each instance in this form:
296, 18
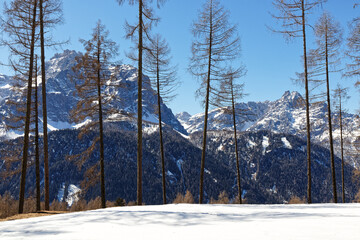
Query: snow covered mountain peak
292, 99
65, 54
61, 61
183, 116
285, 115
61, 93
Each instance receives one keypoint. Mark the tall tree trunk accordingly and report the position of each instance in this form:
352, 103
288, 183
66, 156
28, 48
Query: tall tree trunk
139, 120
342, 152
28, 111
37, 155
43, 91
236, 147
160, 131
307, 106
101, 130
329, 120
202, 167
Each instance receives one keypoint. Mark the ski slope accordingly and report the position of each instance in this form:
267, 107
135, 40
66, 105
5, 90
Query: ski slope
184, 221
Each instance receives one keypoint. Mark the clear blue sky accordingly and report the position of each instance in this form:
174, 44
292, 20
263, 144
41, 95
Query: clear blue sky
271, 61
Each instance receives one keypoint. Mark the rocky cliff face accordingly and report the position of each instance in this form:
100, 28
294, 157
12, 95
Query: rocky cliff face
61, 94
285, 115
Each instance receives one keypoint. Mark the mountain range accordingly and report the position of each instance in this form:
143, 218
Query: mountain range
61, 95
285, 115
272, 145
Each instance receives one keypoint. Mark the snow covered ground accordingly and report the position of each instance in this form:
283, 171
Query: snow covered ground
317, 221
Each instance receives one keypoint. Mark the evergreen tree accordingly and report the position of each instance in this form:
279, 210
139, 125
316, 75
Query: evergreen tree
143, 28
215, 44
92, 78
163, 78
293, 15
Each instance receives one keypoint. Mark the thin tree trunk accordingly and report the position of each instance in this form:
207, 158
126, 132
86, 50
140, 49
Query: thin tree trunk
101, 130
202, 167
307, 106
27, 119
342, 152
139, 120
236, 147
329, 120
37, 157
160, 132
45, 137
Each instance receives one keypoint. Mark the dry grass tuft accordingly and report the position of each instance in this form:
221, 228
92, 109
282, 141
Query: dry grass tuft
31, 215
9, 207
297, 200
187, 198
357, 197
223, 198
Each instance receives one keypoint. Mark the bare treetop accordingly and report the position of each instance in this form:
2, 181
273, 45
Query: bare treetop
53, 13
290, 15
158, 66
214, 20
327, 26
132, 2
353, 51
340, 95
216, 45
229, 88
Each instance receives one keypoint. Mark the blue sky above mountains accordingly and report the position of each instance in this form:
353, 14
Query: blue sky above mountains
271, 61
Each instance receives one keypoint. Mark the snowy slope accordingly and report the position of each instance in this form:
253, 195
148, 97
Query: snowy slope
250, 222
220, 121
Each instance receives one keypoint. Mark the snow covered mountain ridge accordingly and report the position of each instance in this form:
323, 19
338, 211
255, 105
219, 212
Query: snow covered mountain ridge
61, 95
285, 115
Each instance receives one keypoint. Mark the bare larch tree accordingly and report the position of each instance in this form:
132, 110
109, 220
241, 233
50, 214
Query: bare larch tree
353, 51
293, 16
92, 78
19, 43
139, 32
215, 44
163, 79
28, 111
340, 96
50, 14
36, 121
324, 60
20, 25
230, 91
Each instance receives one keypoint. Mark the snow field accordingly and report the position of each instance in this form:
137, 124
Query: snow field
193, 221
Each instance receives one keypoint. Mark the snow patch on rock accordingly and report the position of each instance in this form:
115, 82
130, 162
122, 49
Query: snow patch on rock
286, 143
